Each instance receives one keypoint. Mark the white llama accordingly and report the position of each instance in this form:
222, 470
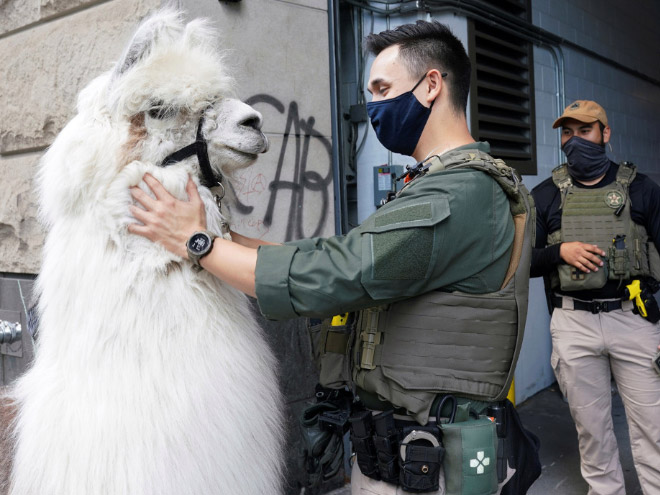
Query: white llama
149, 377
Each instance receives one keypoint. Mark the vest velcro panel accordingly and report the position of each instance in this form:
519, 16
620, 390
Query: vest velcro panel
450, 342
587, 218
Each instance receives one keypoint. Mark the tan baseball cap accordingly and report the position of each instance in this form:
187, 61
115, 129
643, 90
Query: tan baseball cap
584, 111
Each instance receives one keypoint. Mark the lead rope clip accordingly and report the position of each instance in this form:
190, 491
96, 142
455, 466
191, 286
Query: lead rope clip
218, 197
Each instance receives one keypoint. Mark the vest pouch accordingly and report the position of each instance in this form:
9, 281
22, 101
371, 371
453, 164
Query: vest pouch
420, 460
572, 278
315, 329
421, 471
333, 356
618, 263
470, 464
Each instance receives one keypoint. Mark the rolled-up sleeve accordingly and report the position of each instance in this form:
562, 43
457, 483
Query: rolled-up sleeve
310, 279
272, 281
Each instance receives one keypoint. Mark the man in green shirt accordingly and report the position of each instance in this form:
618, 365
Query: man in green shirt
449, 232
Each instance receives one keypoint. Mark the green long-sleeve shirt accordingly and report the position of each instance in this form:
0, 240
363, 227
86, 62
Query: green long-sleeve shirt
448, 230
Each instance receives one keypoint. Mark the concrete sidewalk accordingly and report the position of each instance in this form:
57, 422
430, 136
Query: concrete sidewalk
547, 415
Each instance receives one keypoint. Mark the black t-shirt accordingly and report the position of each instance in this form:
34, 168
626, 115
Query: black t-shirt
645, 210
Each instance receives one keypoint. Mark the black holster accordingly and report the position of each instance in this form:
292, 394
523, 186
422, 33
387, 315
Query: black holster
323, 425
386, 441
362, 431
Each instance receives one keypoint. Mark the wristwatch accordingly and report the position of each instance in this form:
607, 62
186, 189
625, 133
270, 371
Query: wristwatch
199, 245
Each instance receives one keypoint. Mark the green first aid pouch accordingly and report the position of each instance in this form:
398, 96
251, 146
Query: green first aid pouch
572, 278
470, 462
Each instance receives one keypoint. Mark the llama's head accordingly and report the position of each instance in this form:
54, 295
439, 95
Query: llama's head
171, 85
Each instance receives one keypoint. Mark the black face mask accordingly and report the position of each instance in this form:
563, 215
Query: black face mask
399, 122
586, 160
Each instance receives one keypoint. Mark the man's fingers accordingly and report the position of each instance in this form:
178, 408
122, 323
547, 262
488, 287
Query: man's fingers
143, 230
159, 191
143, 198
593, 248
589, 265
589, 261
193, 193
592, 258
582, 267
139, 214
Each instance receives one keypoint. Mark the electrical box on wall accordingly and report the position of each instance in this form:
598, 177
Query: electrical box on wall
385, 182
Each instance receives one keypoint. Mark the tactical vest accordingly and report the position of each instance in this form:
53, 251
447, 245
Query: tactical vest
602, 216
475, 338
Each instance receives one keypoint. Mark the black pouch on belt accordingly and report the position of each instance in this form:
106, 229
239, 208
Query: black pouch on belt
421, 455
362, 430
386, 441
323, 452
652, 310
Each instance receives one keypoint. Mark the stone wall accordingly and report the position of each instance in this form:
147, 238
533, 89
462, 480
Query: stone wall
49, 50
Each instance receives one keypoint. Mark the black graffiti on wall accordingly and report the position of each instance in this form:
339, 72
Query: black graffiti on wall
298, 133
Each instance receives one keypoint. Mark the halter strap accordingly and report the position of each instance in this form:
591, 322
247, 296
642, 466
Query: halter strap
199, 148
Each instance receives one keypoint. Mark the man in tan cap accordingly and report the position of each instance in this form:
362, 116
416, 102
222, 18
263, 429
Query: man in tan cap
597, 232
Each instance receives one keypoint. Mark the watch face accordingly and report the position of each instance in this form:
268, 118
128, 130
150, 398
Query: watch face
199, 242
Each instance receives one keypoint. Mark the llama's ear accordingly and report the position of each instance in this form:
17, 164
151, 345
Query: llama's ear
163, 25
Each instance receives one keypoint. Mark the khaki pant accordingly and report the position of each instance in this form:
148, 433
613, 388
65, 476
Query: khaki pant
587, 349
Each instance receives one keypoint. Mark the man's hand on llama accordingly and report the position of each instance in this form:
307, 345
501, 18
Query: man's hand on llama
166, 219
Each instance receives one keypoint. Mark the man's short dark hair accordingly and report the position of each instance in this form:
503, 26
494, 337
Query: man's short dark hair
429, 45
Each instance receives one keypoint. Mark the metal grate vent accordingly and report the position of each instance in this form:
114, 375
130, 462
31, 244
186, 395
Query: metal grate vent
502, 102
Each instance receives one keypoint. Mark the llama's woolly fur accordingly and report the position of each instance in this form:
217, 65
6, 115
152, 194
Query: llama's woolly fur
149, 377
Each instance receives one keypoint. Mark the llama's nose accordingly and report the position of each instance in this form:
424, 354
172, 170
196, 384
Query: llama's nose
253, 122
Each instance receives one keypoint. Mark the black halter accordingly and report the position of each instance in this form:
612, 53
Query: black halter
199, 148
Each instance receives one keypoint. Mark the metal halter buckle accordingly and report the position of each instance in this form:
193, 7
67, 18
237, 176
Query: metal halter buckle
218, 197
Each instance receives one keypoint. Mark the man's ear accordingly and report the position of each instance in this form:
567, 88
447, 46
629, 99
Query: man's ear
606, 134
435, 86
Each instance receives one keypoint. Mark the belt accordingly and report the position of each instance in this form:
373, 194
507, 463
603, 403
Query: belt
594, 307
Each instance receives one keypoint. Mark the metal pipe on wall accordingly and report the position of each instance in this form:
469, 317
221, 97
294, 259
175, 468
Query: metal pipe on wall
333, 41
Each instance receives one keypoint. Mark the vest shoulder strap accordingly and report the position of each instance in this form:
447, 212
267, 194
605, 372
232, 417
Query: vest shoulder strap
561, 177
626, 174
507, 177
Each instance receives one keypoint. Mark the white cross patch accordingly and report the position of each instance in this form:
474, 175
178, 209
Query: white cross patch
480, 462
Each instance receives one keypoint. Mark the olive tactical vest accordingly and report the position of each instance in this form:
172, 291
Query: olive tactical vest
602, 216
410, 351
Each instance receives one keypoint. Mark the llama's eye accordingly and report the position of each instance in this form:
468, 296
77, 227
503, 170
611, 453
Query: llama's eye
161, 112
